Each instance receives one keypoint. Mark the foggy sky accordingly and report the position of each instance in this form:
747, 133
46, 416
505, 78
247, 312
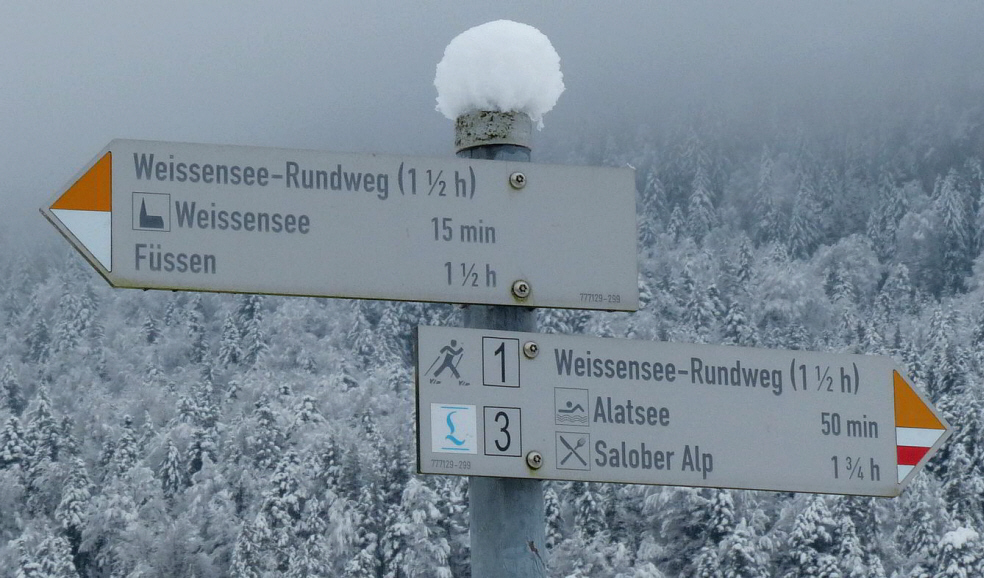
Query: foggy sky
358, 76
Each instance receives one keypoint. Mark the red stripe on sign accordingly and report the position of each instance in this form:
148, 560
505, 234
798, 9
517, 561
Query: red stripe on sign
910, 455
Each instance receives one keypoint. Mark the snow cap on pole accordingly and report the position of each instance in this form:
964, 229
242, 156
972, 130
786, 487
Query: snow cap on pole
499, 66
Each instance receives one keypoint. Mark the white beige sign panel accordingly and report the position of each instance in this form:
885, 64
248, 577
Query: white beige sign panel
616, 410
158, 215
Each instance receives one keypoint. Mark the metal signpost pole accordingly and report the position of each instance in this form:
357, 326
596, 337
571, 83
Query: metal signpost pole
507, 515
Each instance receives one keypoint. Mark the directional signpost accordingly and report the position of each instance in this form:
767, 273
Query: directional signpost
544, 406
490, 402
157, 215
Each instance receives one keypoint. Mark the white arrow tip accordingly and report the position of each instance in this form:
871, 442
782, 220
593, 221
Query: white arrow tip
93, 229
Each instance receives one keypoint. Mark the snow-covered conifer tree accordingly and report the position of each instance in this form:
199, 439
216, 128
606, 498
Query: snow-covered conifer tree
42, 429
198, 345
249, 321
307, 412
72, 513
13, 449
151, 332
707, 564
230, 351
952, 205
425, 550
170, 471
677, 225
737, 329
744, 265
11, 394
127, 448
70, 325
452, 503
246, 557
741, 556
770, 219
722, 516
365, 563
850, 555
266, 438
918, 540
554, 518
810, 542
55, 558
589, 513
684, 524
701, 214
960, 554
170, 312
654, 209
203, 446
282, 508
804, 229
310, 558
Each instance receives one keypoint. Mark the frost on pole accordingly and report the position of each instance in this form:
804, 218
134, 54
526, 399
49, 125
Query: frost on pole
499, 66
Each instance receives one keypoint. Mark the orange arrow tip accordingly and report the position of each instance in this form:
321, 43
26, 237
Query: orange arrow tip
93, 191
910, 410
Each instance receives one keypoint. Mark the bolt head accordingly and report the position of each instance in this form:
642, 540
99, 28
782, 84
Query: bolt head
521, 289
531, 349
517, 180
534, 460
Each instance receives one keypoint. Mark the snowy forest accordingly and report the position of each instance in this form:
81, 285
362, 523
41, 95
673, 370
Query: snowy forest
168, 434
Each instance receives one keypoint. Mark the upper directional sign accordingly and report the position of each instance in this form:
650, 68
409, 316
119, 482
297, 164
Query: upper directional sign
157, 215
616, 410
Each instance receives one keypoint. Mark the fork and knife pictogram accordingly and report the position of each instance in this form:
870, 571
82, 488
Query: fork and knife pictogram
573, 450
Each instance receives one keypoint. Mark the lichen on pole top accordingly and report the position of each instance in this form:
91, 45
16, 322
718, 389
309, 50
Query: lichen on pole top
499, 66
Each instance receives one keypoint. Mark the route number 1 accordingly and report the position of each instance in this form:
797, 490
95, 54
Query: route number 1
500, 362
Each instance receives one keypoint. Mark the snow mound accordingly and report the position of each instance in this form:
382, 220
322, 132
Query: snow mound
501, 66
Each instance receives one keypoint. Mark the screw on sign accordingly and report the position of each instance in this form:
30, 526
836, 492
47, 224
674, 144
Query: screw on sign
521, 289
530, 349
517, 180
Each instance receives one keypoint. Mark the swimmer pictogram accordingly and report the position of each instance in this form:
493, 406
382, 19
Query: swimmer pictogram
570, 406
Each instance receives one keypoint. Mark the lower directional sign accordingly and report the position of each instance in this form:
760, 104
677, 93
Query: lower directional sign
545, 406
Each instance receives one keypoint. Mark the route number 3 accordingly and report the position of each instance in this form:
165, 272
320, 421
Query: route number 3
503, 431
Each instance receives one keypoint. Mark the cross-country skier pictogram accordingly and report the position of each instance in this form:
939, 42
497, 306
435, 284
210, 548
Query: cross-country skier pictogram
452, 355
451, 429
